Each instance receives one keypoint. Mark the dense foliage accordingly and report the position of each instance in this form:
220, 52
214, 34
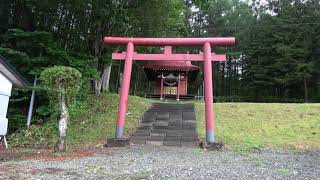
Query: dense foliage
276, 59
277, 55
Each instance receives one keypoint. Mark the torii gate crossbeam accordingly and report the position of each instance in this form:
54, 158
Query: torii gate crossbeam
207, 56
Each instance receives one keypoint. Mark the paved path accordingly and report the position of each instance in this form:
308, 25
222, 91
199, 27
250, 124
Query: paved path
169, 125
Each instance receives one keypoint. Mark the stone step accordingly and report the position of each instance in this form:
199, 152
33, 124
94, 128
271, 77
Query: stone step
168, 125
155, 143
155, 138
137, 137
135, 141
172, 143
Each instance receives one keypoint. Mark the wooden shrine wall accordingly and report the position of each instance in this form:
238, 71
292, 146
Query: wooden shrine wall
182, 89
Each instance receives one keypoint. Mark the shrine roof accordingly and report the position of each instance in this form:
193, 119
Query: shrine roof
171, 65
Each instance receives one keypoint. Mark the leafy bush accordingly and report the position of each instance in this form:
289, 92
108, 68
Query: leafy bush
43, 111
36, 136
61, 80
62, 84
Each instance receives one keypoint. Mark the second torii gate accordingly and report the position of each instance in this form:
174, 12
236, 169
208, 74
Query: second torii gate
207, 56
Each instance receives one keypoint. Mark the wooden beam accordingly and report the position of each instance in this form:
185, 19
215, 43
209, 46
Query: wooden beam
218, 41
168, 57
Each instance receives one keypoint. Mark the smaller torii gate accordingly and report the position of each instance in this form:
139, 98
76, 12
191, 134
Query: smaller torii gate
207, 56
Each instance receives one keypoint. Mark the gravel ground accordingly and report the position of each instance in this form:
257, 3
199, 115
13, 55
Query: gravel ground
158, 162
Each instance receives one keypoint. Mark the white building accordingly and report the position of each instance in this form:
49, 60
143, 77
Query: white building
9, 78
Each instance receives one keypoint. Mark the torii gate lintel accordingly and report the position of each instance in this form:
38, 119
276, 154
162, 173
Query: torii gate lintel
207, 57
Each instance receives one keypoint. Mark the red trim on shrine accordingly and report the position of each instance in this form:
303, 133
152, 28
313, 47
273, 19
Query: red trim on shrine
170, 78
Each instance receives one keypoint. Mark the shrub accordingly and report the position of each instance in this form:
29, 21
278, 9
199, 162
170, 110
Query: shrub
62, 85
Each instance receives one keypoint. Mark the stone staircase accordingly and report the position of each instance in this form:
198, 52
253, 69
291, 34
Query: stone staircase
168, 125
171, 96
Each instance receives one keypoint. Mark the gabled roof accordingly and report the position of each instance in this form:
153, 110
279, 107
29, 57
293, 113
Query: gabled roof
12, 74
171, 65
155, 67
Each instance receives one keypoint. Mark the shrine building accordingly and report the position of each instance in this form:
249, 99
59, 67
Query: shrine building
170, 78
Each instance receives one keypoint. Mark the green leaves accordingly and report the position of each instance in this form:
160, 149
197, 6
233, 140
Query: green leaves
61, 80
155, 18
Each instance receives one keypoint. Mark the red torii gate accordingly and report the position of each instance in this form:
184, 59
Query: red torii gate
207, 56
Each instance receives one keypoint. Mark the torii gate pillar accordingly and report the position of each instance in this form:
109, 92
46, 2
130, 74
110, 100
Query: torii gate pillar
207, 57
124, 94
208, 93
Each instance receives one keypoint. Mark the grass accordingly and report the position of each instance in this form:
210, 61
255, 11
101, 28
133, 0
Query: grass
240, 126
99, 122
247, 126
91, 122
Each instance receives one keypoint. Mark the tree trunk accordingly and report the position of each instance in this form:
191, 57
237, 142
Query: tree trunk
102, 84
222, 84
120, 80
63, 122
136, 82
106, 78
97, 86
305, 90
98, 47
106, 75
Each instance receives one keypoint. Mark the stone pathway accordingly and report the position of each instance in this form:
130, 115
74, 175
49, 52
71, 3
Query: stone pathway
169, 125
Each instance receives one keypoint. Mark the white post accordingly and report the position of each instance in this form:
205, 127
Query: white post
31, 103
5, 142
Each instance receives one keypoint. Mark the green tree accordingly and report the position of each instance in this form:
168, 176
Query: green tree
62, 84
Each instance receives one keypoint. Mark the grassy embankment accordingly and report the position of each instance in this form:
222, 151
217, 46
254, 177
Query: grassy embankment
91, 122
246, 126
241, 126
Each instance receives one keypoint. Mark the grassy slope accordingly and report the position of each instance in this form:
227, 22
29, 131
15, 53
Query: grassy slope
99, 122
90, 122
246, 126
242, 126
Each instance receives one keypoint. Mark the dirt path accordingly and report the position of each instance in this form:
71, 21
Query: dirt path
159, 162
